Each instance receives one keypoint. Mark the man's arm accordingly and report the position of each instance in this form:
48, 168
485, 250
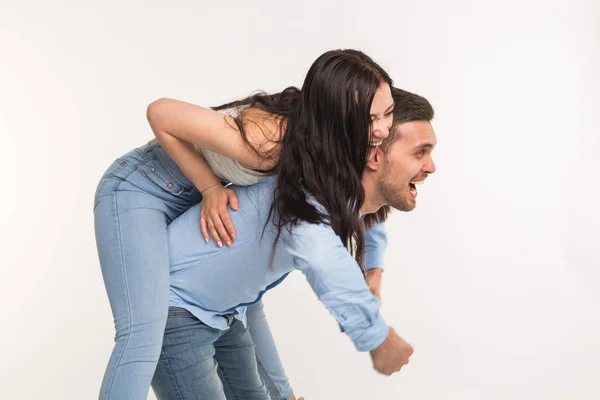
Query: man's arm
337, 280
375, 245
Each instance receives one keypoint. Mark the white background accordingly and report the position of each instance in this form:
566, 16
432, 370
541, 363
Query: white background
494, 278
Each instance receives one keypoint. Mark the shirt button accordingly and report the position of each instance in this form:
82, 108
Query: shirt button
170, 186
152, 169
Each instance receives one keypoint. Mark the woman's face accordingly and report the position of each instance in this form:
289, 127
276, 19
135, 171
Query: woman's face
382, 110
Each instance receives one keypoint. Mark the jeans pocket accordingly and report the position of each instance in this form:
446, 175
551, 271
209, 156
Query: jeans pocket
153, 171
114, 169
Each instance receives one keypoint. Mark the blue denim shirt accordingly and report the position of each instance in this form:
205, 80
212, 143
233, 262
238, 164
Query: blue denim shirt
211, 282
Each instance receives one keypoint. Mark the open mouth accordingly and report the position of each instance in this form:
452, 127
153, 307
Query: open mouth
413, 187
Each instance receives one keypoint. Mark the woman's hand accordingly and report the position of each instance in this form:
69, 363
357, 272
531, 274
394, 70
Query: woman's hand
215, 215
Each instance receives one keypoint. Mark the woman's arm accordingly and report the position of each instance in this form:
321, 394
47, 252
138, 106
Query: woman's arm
177, 125
166, 116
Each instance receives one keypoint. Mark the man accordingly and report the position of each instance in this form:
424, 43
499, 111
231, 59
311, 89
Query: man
211, 287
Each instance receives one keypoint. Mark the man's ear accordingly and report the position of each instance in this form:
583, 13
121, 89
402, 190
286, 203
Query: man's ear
375, 160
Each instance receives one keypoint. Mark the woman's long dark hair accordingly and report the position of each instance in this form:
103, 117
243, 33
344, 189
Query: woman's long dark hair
325, 143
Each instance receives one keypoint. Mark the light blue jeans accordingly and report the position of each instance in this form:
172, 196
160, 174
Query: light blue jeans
137, 197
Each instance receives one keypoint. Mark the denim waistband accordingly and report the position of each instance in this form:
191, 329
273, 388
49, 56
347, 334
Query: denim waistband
154, 151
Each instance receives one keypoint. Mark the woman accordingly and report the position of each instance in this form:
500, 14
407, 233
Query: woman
344, 106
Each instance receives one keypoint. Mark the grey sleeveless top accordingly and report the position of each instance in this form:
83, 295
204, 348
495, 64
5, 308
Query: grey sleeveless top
227, 169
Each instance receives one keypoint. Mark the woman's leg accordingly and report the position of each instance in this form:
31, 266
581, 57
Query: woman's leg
131, 214
133, 251
269, 364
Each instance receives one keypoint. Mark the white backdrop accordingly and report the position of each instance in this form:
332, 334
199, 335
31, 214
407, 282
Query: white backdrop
494, 278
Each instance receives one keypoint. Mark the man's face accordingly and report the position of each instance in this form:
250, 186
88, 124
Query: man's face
406, 164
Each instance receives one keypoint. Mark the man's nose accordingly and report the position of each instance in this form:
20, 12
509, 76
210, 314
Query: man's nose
429, 166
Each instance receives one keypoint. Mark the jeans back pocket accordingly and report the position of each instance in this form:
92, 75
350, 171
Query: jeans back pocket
153, 172
114, 169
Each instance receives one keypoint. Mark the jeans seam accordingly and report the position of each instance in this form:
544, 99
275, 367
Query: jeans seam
126, 294
99, 196
225, 383
172, 375
117, 180
271, 388
102, 184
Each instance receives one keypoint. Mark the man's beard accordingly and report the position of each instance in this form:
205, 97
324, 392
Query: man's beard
394, 197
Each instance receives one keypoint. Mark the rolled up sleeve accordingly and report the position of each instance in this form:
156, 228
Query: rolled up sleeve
338, 282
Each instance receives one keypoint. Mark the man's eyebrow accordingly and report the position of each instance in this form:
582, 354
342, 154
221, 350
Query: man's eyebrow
387, 110
424, 146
